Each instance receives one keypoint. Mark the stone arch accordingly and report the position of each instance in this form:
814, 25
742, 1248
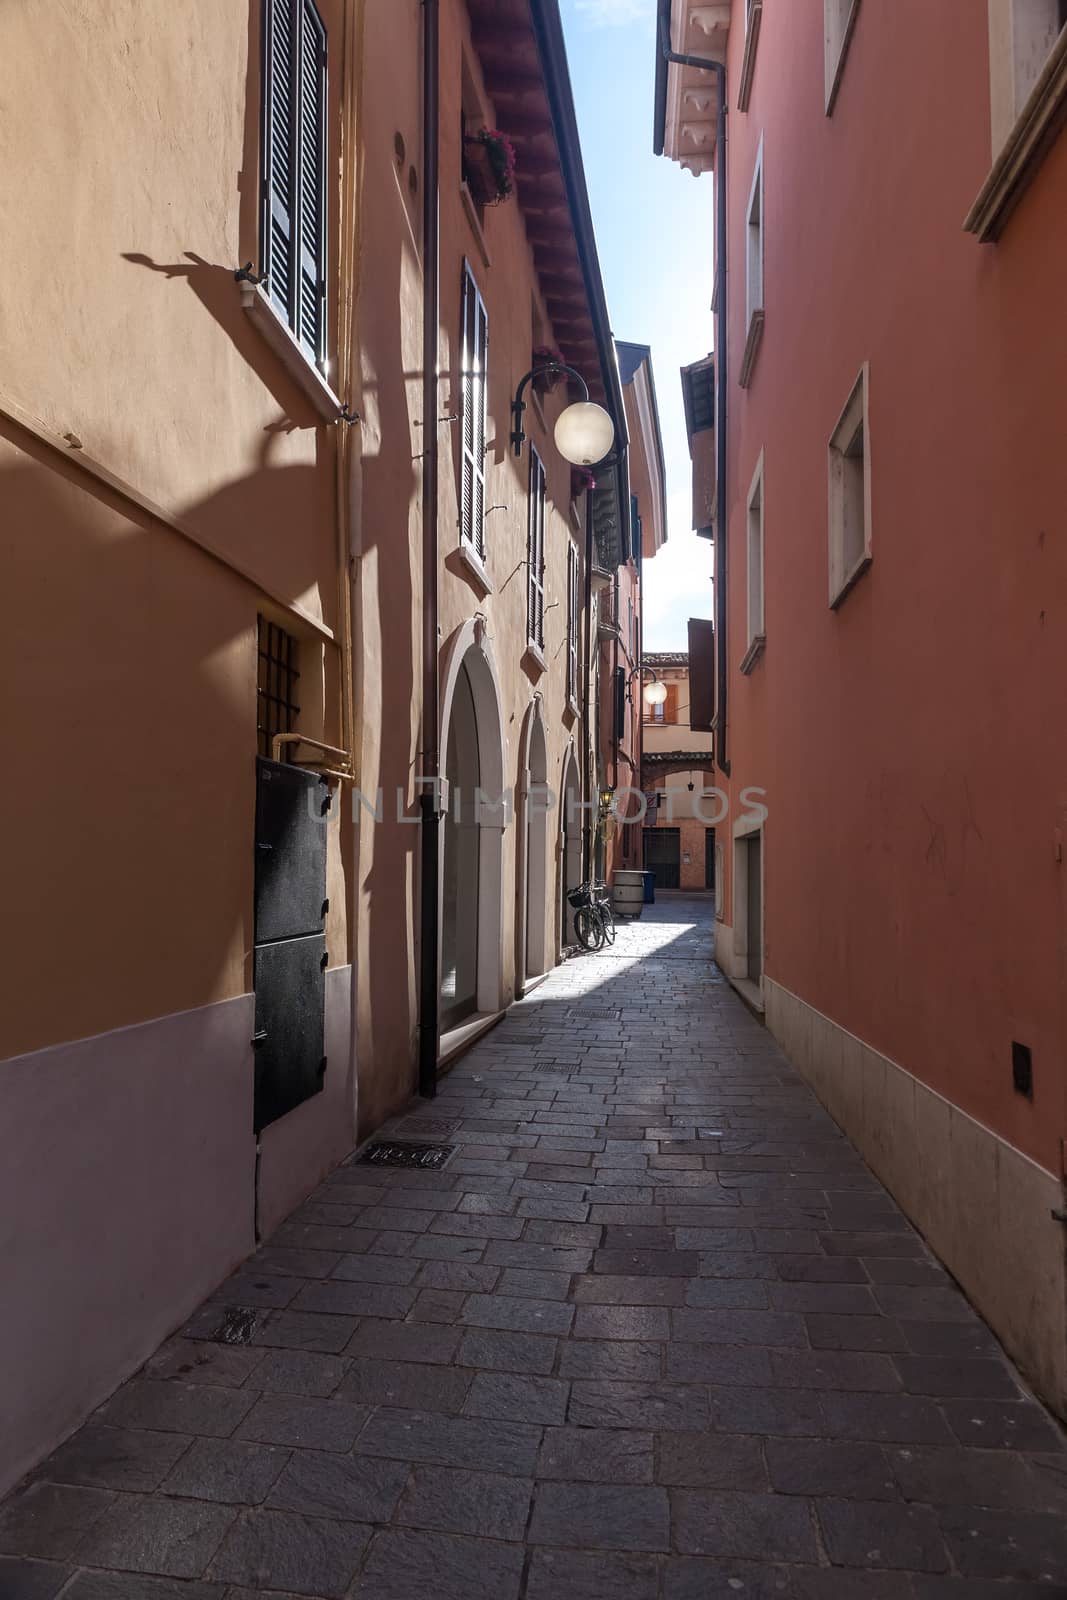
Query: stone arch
476, 813
533, 809
569, 843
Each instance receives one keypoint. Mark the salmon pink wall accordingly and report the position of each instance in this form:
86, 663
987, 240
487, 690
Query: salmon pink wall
911, 742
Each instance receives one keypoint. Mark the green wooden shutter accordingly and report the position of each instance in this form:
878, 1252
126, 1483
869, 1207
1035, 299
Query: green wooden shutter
293, 247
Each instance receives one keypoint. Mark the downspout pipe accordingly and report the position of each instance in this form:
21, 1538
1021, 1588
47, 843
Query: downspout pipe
589, 734
429, 798
665, 58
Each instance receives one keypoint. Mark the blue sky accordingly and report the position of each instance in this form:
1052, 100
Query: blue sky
654, 227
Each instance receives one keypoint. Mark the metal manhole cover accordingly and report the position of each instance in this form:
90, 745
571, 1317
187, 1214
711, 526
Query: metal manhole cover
238, 1325
404, 1153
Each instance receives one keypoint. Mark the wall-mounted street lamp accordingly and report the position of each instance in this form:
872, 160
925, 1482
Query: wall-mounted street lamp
584, 432
654, 693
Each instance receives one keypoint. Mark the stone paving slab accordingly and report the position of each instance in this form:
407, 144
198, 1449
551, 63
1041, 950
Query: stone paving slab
653, 1333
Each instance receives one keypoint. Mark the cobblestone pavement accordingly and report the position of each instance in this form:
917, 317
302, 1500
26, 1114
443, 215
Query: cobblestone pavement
654, 1333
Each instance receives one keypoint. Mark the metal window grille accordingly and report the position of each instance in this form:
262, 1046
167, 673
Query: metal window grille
277, 677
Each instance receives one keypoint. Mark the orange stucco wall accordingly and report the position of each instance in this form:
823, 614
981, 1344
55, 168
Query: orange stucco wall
132, 654
911, 742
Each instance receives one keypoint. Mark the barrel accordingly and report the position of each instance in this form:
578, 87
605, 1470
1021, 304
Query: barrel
629, 892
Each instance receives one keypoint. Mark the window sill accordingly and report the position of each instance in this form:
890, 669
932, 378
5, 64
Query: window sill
752, 344
476, 223
572, 706
1024, 149
850, 581
748, 60
533, 656
753, 653
299, 366
475, 566
839, 64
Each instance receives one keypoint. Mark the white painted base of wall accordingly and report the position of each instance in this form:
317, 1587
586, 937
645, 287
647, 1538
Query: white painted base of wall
983, 1206
127, 1174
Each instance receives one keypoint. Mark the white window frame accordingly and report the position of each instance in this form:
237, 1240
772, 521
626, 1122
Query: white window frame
754, 233
849, 558
572, 624
839, 22
1027, 91
755, 571
535, 556
473, 388
753, 18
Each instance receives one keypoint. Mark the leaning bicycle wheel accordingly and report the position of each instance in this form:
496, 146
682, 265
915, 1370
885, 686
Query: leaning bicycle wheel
607, 917
589, 928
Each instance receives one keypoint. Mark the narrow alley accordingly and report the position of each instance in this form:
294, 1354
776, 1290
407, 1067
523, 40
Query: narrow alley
652, 1332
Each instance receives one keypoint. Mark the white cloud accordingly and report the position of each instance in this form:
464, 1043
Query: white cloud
613, 13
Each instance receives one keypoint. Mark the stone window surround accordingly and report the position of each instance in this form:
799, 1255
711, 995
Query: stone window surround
755, 612
1021, 135
754, 308
839, 21
854, 416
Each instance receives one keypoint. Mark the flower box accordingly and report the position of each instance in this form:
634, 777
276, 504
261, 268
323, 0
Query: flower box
489, 166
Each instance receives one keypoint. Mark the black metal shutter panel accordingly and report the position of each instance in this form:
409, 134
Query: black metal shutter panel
290, 983
290, 879
311, 182
279, 134
701, 675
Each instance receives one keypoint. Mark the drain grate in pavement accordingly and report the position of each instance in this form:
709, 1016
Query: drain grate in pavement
238, 1325
553, 1066
406, 1153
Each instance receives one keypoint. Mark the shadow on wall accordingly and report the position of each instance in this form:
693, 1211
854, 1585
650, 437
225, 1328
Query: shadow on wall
391, 482
136, 738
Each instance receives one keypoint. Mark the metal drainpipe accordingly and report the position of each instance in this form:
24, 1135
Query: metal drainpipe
705, 64
430, 832
588, 733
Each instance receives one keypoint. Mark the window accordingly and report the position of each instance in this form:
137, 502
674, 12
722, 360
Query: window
535, 554
572, 623
756, 628
753, 18
277, 676
1028, 90
293, 225
474, 355
850, 494
753, 271
839, 19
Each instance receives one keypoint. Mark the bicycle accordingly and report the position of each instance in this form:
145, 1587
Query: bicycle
594, 920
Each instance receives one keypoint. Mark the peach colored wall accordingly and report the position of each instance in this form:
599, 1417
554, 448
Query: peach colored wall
911, 742
130, 151
390, 524
137, 652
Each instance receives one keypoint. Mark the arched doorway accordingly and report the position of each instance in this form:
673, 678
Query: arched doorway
570, 845
475, 816
531, 877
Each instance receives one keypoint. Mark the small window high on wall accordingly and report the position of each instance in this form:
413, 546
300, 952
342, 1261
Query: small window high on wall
850, 493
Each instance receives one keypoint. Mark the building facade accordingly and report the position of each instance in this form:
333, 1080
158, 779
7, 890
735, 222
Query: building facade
270, 551
678, 780
618, 620
892, 645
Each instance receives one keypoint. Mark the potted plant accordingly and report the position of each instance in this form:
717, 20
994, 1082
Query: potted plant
545, 356
489, 166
